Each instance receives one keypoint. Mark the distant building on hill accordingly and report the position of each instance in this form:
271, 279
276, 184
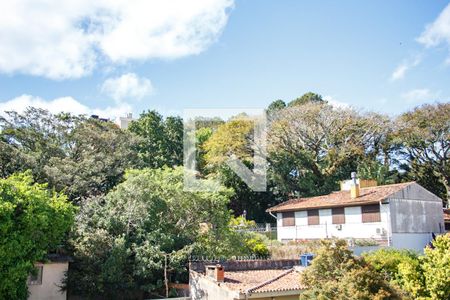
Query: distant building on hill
124, 122
403, 215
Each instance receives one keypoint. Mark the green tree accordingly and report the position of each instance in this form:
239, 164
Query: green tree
276, 106
161, 141
313, 146
33, 221
122, 238
424, 134
81, 156
336, 274
234, 139
307, 98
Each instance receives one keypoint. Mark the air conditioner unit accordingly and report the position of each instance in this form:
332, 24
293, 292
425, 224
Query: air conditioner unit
339, 227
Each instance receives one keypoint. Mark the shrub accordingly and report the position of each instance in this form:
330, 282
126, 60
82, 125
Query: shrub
336, 274
436, 268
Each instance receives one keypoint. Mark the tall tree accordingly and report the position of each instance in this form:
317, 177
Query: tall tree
424, 134
314, 145
307, 98
161, 139
121, 239
34, 221
81, 156
276, 106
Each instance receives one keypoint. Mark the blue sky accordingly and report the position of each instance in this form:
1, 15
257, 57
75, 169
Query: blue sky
387, 56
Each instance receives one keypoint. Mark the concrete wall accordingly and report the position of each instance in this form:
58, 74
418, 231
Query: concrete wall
353, 227
412, 241
52, 276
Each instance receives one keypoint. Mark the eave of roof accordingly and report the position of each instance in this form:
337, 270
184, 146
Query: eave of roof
370, 195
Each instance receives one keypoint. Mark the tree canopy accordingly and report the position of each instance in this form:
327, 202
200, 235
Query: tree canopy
34, 221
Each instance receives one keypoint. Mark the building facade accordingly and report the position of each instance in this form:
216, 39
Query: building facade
46, 282
401, 215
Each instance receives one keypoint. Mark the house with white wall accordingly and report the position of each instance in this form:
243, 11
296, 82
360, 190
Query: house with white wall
46, 282
403, 215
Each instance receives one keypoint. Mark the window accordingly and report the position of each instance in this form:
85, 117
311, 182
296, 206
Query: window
371, 213
35, 277
313, 217
288, 218
338, 215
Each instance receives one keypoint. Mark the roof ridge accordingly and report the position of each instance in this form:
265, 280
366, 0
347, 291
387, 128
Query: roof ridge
260, 285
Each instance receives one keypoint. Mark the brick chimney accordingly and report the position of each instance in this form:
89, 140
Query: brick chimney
354, 187
215, 272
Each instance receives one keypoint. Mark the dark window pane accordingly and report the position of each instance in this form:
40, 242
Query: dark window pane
288, 218
313, 217
371, 213
338, 215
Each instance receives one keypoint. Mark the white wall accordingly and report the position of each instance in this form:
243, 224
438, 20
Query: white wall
353, 227
52, 276
413, 241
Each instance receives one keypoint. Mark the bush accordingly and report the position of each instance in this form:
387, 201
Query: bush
400, 267
421, 277
336, 274
436, 268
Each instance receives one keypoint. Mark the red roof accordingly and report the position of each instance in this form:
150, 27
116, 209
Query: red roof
369, 195
262, 281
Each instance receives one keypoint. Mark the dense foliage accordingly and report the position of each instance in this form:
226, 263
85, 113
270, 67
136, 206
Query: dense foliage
122, 239
420, 277
80, 156
127, 225
33, 222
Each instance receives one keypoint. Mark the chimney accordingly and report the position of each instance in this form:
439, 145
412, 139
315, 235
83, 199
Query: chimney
354, 187
215, 272
129, 115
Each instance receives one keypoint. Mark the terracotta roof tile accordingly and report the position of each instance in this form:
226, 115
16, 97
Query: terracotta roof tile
259, 281
369, 195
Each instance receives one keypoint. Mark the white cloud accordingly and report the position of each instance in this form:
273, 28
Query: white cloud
400, 71
437, 32
69, 39
128, 86
62, 104
419, 95
335, 103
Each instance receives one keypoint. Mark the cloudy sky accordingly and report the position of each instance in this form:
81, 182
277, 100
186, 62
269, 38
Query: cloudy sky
117, 56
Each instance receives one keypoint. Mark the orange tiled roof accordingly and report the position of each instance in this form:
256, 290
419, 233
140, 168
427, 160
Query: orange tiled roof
260, 281
447, 215
369, 195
